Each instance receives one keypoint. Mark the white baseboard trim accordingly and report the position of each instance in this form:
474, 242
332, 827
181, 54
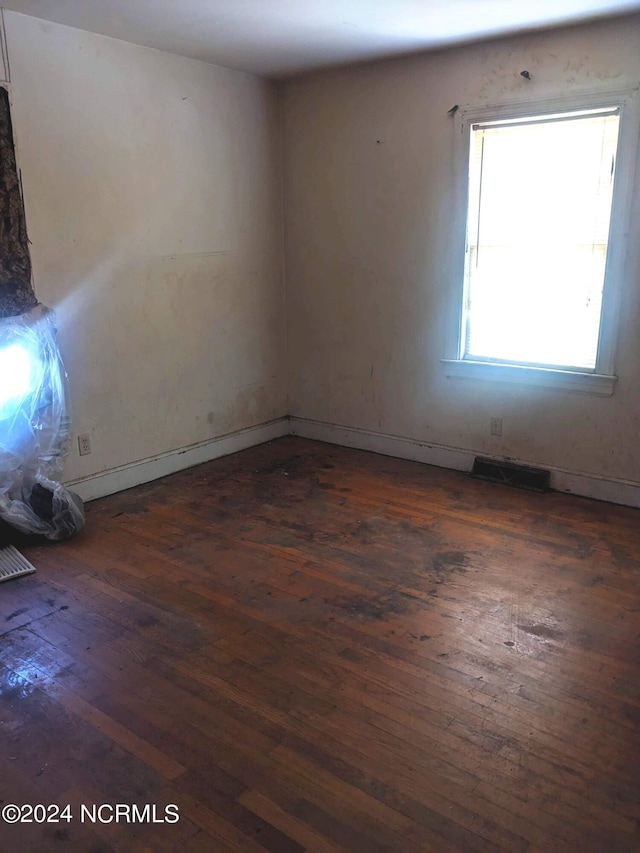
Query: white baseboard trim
587, 485
387, 445
145, 470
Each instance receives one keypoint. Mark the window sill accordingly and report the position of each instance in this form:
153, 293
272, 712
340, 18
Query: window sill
564, 380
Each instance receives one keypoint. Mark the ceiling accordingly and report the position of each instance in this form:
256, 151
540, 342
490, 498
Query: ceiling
281, 38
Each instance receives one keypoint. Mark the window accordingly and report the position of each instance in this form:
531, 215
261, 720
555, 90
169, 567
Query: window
542, 244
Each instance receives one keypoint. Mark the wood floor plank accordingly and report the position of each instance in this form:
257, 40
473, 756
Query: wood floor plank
307, 647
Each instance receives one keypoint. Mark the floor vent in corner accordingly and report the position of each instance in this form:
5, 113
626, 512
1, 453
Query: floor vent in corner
521, 476
13, 564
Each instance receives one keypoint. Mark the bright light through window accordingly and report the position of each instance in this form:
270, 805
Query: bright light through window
16, 376
540, 193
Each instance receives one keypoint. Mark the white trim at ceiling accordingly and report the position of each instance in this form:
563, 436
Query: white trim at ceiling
4, 56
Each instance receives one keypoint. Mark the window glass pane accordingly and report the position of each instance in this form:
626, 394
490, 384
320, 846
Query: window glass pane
538, 222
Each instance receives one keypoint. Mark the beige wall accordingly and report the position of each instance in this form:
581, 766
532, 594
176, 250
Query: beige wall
369, 211
153, 201
153, 198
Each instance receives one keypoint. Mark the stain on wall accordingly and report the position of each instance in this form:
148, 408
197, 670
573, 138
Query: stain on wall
153, 195
372, 253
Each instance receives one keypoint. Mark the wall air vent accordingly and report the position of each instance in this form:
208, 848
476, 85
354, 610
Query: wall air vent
521, 476
13, 564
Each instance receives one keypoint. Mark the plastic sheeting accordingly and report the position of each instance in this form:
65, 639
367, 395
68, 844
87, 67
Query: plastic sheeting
34, 429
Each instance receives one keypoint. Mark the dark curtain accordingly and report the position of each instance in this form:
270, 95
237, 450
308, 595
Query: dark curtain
16, 292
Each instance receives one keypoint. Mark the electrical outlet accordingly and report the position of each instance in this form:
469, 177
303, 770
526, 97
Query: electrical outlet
84, 444
495, 426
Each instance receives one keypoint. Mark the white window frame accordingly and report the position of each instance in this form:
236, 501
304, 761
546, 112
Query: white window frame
602, 379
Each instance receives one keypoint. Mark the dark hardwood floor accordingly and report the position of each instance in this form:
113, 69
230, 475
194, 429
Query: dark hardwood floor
305, 647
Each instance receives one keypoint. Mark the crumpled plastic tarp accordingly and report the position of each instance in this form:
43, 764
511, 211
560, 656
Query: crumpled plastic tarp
34, 429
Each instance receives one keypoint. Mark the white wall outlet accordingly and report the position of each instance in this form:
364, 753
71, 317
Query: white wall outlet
495, 426
84, 444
